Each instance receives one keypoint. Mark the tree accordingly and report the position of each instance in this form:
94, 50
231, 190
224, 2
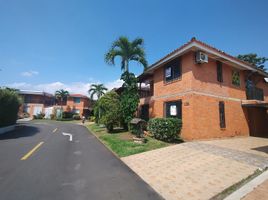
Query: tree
9, 107
253, 59
109, 106
129, 99
127, 51
97, 89
61, 95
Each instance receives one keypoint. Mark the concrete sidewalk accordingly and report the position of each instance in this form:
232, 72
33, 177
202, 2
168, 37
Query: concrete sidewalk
259, 193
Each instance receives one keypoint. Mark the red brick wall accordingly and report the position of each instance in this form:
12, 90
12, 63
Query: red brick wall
200, 93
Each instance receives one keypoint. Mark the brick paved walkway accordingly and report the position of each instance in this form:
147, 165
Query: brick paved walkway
199, 170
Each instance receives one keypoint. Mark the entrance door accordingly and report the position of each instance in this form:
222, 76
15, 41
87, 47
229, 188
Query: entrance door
145, 112
258, 122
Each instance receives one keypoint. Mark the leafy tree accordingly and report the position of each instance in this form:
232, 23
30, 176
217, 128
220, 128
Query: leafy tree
61, 95
109, 106
253, 59
9, 107
97, 89
127, 51
129, 99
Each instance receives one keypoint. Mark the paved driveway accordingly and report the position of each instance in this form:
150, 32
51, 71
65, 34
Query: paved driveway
38, 162
200, 170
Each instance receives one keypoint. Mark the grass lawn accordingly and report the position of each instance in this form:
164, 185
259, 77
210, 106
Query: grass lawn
121, 142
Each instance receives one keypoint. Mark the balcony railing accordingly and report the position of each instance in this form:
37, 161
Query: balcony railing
255, 93
145, 93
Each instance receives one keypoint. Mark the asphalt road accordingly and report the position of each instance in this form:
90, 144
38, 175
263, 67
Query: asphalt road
38, 162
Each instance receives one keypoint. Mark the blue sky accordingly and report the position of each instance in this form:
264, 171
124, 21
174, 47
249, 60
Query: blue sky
52, 44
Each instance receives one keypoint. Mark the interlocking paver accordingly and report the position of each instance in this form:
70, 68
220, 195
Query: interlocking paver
197, 170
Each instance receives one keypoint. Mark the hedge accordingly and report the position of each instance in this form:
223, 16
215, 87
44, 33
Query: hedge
9, 107
166, 129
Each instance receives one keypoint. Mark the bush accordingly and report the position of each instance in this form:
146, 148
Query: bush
67, 115
39, 116
52, 116
76, 117
166, 129
9, 107
137, 126
107, 110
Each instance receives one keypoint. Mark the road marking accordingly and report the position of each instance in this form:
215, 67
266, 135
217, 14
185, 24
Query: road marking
32, 151
54, 130
68, 134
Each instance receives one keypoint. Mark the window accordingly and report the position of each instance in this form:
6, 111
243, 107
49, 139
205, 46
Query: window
222, 114
235, 78
172, 70
77, 100
173, 109
219, 71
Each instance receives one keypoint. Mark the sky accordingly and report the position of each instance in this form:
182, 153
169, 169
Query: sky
48, 45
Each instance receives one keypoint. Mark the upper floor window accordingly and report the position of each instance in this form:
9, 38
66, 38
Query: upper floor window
235, 78
77, 100
172, 70
219, 72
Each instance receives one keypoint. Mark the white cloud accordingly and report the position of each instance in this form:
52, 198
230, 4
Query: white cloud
29, 73
75, 87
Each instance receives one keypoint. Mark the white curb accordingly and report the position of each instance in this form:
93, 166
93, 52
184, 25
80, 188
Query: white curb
249, 187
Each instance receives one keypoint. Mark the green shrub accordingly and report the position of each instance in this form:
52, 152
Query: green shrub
39, 116
76, 117
138, 127
107, 110
166, 129
67, 115
9, 107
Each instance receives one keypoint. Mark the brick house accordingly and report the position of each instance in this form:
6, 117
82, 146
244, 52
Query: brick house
35, 102
215, 94
79, 104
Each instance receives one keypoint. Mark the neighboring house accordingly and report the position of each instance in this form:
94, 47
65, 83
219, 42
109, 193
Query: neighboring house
215, 94
35, 102
79, 104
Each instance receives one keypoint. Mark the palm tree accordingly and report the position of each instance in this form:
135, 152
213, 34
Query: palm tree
61, 95
128, 51
97, 89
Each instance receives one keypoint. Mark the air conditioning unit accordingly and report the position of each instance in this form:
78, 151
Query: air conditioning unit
201, 57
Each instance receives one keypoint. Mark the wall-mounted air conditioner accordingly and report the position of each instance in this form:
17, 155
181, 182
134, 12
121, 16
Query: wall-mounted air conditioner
201, 57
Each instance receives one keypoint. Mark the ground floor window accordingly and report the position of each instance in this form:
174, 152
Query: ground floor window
173, 109
222, 114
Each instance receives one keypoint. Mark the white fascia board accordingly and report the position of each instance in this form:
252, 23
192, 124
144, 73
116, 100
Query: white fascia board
194, 44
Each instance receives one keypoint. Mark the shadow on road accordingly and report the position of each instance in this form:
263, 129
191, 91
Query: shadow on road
20, 131
262, 149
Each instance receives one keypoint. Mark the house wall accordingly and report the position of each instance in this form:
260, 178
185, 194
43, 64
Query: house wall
71, 105
200, 93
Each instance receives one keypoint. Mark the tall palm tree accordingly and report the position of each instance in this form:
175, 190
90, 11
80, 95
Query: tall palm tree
127, 51
61, 95
97, 89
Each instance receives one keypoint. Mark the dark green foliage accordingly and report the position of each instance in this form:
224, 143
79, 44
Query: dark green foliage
67, 115
129, 99
253, 59
9, 107
97, 89
107, 110
166, 129
39, 116
127, 51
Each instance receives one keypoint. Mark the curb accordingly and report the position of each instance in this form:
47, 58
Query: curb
249, 187
7, 129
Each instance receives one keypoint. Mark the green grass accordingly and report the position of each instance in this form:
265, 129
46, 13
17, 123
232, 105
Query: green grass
121, 142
